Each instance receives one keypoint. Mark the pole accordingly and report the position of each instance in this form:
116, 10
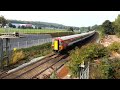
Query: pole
7, 50
1, 53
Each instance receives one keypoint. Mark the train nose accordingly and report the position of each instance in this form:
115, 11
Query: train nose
56, 45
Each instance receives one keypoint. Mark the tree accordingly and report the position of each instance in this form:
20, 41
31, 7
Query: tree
13, 26
3, 21
108, 27
39, 27
70, 29
10, 25
116, 25
23, 27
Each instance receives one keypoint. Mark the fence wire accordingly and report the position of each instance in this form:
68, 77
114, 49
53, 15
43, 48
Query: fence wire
29, 43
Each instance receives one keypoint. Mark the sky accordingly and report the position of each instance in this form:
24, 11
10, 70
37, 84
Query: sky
68, 18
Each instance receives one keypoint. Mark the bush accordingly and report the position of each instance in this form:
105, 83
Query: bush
86, 53
115, 46
107, 69
59, 34
37, 51
115, 64
94, 51
17, 56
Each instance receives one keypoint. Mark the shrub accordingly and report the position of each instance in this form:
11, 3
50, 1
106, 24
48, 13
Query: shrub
17, 56
86, 53
93, 51
37, 51
115, 46
107, 69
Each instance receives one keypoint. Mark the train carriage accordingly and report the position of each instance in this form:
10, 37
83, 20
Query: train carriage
60, 43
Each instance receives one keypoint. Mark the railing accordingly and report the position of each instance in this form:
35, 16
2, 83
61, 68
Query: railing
84, 72
29, 43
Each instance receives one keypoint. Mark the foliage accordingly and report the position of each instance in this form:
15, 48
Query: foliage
54, 75
106, 69
115, 64
70, 29
59, 34
10, 25
37, 51
86, 53
116, 24
101, 32
17, 56
108, 27
3, 21
115, 46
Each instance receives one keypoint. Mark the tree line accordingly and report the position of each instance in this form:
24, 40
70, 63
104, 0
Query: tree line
110, 28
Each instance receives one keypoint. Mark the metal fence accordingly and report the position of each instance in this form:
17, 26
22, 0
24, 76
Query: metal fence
84, 72
29, 43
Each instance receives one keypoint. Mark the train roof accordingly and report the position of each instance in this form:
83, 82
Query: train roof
76, 35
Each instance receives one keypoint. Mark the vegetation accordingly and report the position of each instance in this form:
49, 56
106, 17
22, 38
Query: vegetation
108, 27
17, 56
87, 53
54, 75
43, 24
34, 31
106, 69
100, 30
70, 29
116, 25
3, 21
27, 54
101, 66
115, 46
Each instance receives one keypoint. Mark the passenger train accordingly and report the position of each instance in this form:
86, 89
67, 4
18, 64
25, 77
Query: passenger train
60, 43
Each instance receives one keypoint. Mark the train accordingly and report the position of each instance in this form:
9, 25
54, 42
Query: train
61, 43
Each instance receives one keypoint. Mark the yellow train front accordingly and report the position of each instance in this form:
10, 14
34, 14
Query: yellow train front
57, 45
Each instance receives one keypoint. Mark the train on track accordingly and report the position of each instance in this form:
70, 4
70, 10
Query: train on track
61, 43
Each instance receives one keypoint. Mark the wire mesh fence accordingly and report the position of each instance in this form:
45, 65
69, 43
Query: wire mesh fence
29, 43
84, 72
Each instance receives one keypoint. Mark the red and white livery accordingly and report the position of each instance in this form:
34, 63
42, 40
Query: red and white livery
60, 43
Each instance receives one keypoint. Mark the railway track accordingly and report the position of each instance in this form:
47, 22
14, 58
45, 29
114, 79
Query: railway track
46, 73
32, 70
5, 73
43, 69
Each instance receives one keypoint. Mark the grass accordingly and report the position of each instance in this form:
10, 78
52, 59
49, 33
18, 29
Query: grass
30, 31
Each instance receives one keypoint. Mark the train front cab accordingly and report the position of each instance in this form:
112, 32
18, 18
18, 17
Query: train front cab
57, 45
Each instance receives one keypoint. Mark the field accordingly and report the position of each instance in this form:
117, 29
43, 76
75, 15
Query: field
29, 31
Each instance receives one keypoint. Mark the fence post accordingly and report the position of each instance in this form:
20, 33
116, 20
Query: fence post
26, 44
88, 69
38, 42
33, 43
18, 45
42, 41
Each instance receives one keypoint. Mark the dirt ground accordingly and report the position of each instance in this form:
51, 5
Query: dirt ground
109, 40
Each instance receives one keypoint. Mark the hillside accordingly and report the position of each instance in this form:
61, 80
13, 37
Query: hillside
41, 24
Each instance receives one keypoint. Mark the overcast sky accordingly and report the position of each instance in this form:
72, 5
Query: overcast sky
68, 18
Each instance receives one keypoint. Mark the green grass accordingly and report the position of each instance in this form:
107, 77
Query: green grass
29, 31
